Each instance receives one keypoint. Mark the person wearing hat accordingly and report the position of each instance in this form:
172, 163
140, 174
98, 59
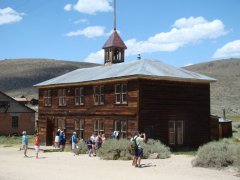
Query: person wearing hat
74, 142
24, 143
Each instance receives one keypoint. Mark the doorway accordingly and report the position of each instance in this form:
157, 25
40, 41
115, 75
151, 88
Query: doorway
50, 133
175, 132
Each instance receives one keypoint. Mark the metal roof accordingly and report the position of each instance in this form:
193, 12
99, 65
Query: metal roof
138, 68
114, 41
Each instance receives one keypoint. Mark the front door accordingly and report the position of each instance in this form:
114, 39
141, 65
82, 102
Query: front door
175, 133
50, 133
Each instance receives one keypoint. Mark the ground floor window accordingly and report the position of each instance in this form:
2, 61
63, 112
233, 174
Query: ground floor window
79, 127
175, 132
61, 124
98, 126
121, 127
14, 121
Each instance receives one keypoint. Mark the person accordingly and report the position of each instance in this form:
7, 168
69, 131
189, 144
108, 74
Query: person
57, 140
98, 141
74, 143
24, 143
62, 140
94, 140
132, 140
89, 145
103, 138
115, 135
140, 138
37, 144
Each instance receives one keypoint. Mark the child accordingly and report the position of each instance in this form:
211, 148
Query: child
89, 144
36, 145
24, 143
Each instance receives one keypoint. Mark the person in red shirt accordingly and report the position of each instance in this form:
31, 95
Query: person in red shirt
36, 144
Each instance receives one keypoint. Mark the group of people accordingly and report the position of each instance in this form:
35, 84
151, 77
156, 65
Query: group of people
25, 144
60, 139
94, 143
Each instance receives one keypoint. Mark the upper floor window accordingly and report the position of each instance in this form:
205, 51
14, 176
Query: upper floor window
79, 96
47, 98
98, 95
121, 93
62, 97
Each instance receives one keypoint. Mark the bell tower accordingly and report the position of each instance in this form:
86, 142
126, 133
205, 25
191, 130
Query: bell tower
114, 48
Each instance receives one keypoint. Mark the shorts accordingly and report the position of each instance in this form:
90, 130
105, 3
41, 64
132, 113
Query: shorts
139, 152
36, 149
24, 146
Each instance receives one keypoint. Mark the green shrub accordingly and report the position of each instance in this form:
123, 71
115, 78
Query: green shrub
120, 149
82, 147
217, 155
15, 140
115, 149
155, 146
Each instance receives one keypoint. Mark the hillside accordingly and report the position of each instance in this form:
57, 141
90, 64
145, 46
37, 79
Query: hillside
225, 93
17, 76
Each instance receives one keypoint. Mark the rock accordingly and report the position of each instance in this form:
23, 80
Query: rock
153, 156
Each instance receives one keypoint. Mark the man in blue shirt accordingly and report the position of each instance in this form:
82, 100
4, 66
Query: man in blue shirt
24, 143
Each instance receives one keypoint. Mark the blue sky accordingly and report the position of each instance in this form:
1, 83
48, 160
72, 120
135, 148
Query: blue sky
178, 32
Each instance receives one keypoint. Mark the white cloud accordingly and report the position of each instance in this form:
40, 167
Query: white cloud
80, 21
90, 6
96, 57
229, 50
184, 31
90, 32
68, 7
9, 15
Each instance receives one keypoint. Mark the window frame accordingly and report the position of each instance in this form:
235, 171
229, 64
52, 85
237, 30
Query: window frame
98, 95
47, 98
120, 93
79, 96
62, 97
100, 126
123, 133
15, 120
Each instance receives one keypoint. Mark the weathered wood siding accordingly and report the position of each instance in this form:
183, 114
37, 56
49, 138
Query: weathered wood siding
164, 101
108, 112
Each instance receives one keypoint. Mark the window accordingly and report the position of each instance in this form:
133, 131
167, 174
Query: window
62, 97
79, 127
121, 93
47, 98
121, 127
61, 124
98, 95
99, 126
79, 96
175, 132
15, 122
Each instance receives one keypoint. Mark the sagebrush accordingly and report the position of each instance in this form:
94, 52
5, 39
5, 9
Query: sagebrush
120, 149
217, 155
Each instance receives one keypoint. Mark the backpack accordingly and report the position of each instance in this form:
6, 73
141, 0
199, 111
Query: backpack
134, 145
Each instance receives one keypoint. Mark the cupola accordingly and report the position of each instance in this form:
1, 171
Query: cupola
114, 47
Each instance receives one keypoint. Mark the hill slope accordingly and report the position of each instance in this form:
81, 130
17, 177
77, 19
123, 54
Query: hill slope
225, 93
18, 76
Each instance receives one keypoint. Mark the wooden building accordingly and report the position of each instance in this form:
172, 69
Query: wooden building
15, 117
168, 103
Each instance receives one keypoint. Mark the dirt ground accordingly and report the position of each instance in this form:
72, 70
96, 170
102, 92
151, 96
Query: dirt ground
63, 165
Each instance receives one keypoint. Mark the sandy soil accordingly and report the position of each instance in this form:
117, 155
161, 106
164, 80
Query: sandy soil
66, 166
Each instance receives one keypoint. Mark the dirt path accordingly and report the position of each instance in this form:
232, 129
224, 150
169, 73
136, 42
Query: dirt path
66, 166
